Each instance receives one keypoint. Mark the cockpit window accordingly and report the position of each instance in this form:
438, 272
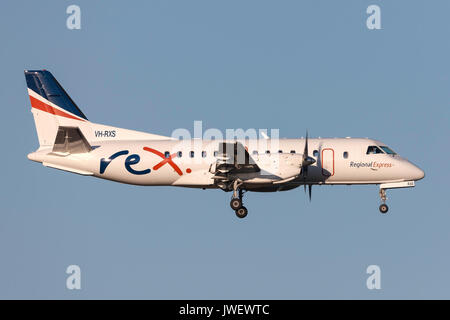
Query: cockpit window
388, 150
373, 150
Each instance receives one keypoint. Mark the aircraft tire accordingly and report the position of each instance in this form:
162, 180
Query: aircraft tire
241, 212
235, 203
384, 208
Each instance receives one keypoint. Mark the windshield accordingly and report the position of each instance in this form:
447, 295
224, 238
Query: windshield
387, 150
373, 150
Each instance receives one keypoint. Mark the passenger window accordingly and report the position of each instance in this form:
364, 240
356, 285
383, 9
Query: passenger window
373, 150
255, 152
292, 151
180, 154
167, 154
345, 155
280, 151
315, 153
216, 153
191, 154
268, 151
203, 154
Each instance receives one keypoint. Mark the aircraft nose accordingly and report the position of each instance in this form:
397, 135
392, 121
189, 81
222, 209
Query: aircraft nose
417, 173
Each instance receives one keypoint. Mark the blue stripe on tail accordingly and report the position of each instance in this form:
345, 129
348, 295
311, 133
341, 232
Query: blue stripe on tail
43, 83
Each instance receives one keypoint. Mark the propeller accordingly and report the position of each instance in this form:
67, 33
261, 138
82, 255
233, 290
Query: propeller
306, 162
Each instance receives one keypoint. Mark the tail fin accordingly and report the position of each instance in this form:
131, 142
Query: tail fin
51, 106
55, 115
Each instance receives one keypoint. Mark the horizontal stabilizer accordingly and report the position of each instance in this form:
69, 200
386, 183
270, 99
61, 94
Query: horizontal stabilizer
64, 168
70, 140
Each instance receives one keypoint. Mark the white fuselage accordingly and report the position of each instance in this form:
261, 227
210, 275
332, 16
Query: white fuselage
147, 162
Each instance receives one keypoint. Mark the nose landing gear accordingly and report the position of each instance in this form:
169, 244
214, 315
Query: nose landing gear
383, 207
394, 185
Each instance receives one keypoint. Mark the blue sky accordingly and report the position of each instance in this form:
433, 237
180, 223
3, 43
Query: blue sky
294, 65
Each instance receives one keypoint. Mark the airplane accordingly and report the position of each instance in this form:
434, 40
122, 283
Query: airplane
68, 141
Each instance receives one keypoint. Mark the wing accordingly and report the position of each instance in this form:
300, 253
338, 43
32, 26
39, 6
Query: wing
233, 158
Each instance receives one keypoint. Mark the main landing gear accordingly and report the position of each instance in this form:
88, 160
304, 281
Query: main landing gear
383, 207
236, 200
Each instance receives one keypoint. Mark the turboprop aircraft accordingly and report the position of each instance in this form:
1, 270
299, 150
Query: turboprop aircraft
69, 141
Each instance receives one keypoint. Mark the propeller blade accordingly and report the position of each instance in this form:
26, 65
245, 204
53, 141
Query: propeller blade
305, 152
304, 171
307, 160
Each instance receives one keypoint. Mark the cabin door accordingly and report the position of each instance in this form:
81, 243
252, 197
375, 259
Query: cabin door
328, 162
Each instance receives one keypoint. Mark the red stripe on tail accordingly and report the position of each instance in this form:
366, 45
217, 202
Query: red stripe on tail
38, 104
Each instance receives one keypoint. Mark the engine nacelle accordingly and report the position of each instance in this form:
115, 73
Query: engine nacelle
279, 166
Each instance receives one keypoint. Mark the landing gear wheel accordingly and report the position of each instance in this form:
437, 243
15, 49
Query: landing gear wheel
235, 203
384, 208
241, 212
